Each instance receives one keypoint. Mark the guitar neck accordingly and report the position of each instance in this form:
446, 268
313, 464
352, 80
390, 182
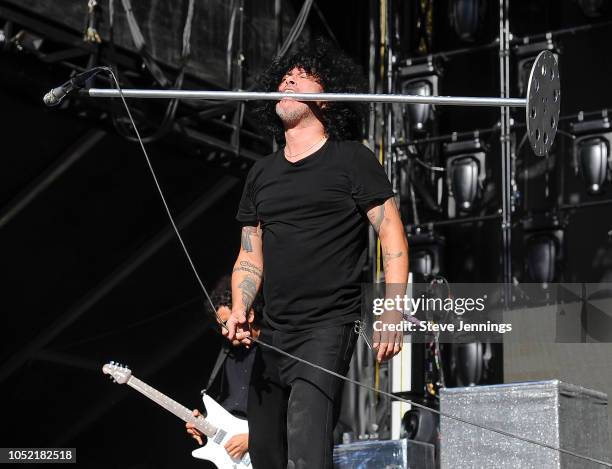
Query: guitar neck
171, 405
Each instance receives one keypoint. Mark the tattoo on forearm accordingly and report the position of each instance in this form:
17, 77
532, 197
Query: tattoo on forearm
246, 266
248, 289
245, 241
376, 216
389, 256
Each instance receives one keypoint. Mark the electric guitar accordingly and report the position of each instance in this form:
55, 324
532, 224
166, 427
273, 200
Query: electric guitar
219, 425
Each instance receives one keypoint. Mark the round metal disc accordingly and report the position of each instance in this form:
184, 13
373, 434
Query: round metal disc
543, 102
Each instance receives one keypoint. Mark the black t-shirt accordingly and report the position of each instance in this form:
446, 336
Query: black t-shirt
313, 217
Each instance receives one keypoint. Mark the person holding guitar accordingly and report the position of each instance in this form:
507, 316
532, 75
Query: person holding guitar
305, 212
229, 380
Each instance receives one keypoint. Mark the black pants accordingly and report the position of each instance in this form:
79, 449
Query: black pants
293, 407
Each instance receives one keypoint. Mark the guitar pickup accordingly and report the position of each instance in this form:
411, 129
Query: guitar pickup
219, 436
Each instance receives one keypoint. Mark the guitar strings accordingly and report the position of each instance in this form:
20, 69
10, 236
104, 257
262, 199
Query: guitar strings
306, 362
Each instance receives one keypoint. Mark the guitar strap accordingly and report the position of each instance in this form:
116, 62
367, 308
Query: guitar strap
218, 366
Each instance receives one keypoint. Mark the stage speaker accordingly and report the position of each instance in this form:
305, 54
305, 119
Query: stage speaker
553, 412
543, 351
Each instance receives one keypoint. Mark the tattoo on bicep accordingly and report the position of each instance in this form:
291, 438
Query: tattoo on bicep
248, 289
376, 216
245, 241
247, 266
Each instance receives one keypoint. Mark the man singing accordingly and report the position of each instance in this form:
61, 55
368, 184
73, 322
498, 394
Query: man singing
305, 212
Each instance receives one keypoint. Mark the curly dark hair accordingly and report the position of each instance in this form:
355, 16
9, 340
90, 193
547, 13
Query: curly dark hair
335, 72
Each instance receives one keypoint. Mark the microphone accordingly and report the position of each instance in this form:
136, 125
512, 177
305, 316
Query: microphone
55, 96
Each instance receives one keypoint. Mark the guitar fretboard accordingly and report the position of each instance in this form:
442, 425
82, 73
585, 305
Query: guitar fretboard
171, 405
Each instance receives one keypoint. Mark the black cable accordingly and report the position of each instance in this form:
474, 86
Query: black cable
229, 49
296, 29
167, 123
428, 166
326, 25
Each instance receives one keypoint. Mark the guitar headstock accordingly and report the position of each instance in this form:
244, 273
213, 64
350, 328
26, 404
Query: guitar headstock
118, 373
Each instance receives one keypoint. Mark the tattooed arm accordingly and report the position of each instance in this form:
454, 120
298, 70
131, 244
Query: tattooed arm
388, 225
246, 280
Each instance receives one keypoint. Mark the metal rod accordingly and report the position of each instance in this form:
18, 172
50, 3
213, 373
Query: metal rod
516, 40
346, 97
62, 358
506, 149
593, 203
467, 135
452, 221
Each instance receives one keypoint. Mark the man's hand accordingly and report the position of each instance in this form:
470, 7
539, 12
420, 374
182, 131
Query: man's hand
238, 327
192, 430
388, 343
237, 445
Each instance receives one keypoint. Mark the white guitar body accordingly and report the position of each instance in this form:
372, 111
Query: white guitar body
219, 425
214, 450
